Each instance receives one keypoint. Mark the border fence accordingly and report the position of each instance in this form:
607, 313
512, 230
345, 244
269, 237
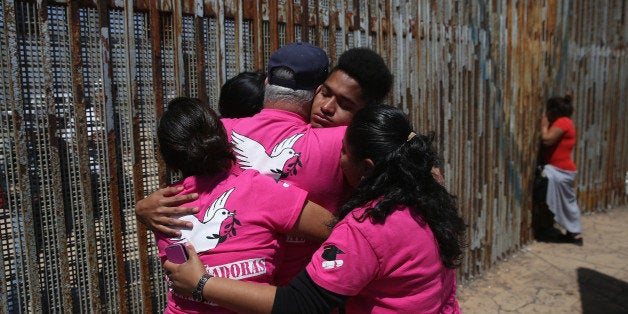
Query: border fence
83, 83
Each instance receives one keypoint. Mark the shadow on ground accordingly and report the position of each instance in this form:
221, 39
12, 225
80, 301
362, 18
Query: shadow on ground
600, 293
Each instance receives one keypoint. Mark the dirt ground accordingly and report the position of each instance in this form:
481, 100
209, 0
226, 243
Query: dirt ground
559, 277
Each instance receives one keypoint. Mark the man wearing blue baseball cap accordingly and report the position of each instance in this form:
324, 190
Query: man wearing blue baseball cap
280, 143
308, 62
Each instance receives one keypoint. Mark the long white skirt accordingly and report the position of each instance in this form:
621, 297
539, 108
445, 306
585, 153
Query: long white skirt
561, 197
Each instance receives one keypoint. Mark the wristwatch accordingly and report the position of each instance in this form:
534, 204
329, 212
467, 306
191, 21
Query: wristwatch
197, 294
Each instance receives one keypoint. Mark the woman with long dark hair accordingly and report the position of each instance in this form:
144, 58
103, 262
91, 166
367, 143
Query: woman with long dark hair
559, 138
394, 249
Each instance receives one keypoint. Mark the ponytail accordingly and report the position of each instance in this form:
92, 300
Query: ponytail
402, 175
567, 98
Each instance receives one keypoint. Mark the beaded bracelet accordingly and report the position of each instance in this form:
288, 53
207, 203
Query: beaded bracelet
197, 294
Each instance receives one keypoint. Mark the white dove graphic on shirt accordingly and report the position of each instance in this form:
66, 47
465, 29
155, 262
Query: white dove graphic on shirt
252, 155
204, 233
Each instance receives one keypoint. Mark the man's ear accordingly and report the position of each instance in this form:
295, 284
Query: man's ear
368, 166
266, 81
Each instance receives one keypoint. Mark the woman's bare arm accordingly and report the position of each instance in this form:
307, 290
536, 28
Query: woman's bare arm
550, 135
239, 296
314, 222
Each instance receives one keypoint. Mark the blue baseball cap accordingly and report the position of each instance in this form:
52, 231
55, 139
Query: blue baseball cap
308, 62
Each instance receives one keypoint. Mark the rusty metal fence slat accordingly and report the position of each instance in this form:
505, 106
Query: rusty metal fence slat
20, 256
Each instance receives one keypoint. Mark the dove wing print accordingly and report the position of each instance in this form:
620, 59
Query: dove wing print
285, 144
202, 235
213, 212
252, 155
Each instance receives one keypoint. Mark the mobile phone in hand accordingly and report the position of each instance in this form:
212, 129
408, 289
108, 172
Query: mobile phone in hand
177, 253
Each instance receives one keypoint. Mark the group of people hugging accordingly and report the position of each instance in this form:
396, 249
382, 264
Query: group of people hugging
321, 200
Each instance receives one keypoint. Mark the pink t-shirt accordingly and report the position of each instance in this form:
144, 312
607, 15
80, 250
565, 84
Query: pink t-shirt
282, 145
237, 229
393, 267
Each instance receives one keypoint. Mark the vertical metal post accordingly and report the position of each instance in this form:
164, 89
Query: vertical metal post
26, 265
92, 296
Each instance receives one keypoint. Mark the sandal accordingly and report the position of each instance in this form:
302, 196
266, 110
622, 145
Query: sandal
574, 238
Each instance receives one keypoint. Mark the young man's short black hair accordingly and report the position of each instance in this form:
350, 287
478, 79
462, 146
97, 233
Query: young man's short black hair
369, 70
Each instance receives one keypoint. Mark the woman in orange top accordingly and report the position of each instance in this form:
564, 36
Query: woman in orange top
559, 139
